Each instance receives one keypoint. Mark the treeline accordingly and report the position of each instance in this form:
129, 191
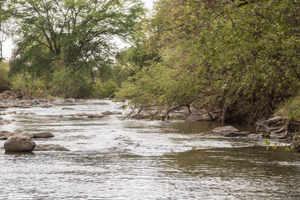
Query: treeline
238, 57
66, 47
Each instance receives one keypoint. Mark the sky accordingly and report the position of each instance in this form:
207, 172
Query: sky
8, 44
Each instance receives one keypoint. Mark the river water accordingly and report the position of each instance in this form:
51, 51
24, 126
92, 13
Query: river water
111, 158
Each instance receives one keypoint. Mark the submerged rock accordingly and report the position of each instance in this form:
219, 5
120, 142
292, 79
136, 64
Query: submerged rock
236, 134
68, 109
111, 113
100, 103
225, 129
19, 144
47, 106
96, 116
198, 117
49, 147
296, 145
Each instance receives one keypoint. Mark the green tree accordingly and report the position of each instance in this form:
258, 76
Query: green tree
238, 56
78, 34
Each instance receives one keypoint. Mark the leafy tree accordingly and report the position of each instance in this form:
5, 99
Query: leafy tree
238, 56
78, 32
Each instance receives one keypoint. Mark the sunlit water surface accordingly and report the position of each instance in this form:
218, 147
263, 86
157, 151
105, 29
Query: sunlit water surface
130, 159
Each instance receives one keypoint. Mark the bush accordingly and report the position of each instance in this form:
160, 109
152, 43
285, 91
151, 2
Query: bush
28, 85
67, 83
105, 89
4, 80
290, 109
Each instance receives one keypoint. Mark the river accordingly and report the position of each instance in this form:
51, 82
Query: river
110, 158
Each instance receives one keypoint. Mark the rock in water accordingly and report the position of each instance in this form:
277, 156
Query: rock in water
19, 144
225, 129
100, 103
236, 134
43, 135
95, 116
50, 147
296, 145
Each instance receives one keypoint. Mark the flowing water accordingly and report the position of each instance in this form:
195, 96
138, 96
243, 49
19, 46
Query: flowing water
130, 159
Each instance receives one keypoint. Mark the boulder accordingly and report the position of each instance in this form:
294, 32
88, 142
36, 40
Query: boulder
225, 129
236, 134
50, 147
43, 135
19, 144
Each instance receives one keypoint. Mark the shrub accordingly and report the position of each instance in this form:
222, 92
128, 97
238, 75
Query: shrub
67, 83
290, 109
4, 80
105, 89
28, 85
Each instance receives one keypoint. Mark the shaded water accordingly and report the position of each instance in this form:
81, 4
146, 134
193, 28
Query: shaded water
130, 159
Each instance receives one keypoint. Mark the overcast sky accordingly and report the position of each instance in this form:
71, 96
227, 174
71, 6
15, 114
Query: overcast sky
8, 46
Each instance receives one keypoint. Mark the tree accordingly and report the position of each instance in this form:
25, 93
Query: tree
238, 56
77, 32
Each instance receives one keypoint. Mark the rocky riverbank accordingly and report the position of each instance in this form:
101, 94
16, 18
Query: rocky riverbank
278, 128
22, 141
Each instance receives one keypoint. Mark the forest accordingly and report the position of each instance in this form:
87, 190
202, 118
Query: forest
236, 57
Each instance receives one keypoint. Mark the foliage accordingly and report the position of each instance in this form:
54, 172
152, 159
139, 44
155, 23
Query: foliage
105, 89
28, 86
77, 34
275, 146
68, 83
238, 56
290, 108
4, 79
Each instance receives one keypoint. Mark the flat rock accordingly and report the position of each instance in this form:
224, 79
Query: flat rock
198, 117
67, 108
236, 134
3, 138
30, 135
19, 144
96, 116
50, 147
111, 113
100, 103
225, 129
46, 106
43, 135
6, 134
